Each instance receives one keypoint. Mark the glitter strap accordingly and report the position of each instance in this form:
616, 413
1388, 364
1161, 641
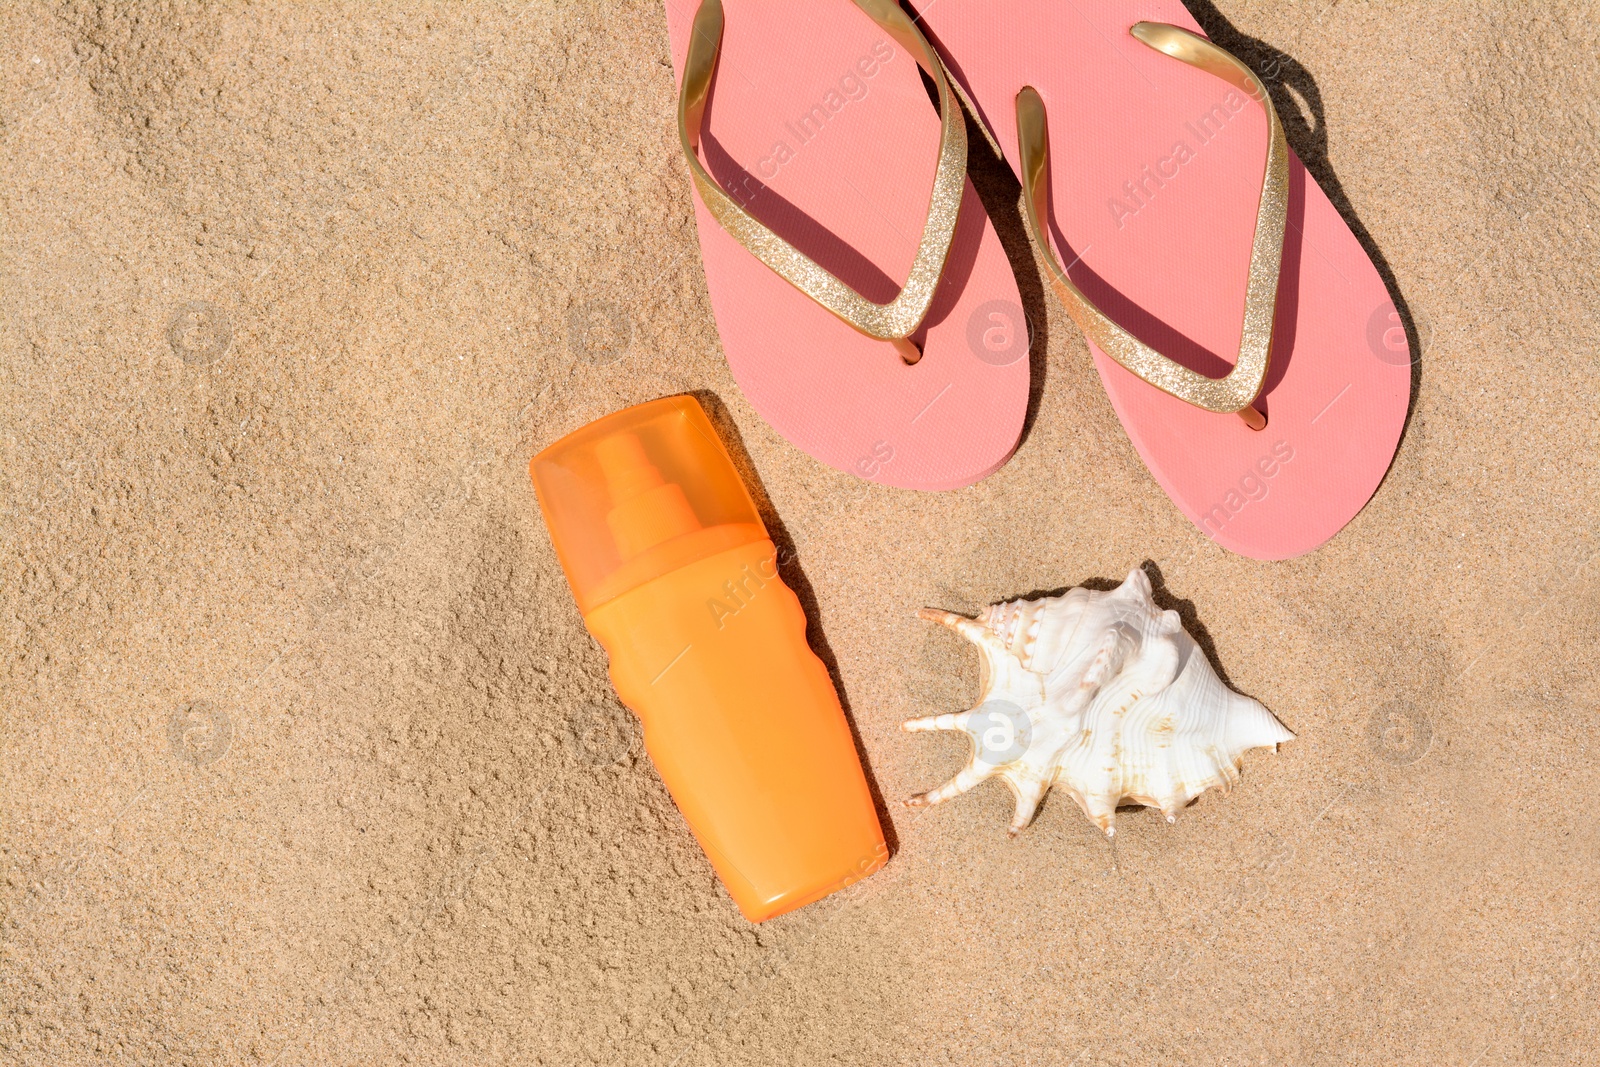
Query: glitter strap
1238, 391
894, 321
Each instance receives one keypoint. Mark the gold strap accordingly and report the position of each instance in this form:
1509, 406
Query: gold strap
895, 320
1237, 391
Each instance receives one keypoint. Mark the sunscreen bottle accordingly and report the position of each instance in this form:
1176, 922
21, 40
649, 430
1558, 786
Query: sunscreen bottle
676, 577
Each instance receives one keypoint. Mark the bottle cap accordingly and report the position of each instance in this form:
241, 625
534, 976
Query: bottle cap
638, 493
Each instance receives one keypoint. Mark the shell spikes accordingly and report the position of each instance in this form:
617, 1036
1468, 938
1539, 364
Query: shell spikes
1102, 694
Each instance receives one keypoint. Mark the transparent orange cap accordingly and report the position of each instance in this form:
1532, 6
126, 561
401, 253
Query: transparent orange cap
639, 493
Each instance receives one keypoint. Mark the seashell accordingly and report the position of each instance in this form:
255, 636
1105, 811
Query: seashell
1102, 694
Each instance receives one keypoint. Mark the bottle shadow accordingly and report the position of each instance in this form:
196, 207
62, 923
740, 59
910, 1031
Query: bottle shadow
794, 576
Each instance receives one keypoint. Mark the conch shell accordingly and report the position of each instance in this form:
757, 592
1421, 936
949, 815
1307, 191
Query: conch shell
1103, 694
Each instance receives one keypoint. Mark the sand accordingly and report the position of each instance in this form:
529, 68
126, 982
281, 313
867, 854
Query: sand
308, 759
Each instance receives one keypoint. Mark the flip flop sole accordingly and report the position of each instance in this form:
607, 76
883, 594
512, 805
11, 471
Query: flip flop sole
819, 125
1156, 173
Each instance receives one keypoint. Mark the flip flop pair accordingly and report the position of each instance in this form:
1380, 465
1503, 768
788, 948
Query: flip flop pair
1175, 223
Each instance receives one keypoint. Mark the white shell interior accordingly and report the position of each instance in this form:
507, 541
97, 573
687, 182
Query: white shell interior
1103, 694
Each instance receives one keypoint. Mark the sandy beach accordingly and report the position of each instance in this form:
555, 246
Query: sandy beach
307, 758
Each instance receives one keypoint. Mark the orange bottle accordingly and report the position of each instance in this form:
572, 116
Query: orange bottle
676, 577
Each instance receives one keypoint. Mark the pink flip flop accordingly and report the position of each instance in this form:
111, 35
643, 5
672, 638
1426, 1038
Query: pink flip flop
823, 176
1157, 200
